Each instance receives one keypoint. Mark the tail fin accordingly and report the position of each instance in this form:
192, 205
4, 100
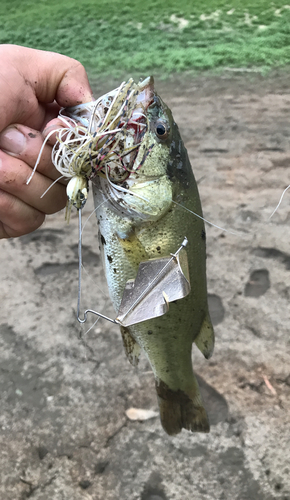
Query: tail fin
178, 410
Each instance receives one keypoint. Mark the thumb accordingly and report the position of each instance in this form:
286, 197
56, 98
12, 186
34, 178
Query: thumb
32, 78
61, 78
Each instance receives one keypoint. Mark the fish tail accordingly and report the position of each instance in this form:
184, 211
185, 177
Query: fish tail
180, 410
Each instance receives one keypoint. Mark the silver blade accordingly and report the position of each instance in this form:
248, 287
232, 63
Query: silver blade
158, 282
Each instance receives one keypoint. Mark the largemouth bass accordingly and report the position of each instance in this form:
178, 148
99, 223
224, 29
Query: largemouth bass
146, 220
147, 202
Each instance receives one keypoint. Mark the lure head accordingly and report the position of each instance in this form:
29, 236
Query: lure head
77, 191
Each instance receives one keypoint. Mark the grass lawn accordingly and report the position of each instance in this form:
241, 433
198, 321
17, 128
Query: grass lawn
153, 36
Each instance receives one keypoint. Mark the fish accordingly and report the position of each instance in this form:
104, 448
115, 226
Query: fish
146, 202
133, 229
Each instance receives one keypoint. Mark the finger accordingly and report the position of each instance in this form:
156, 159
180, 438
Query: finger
29, 77
25, 144
16, 217
51, 111
53, 125
13, 177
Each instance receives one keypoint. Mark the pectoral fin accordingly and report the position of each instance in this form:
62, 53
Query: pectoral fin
133, 248
132, 349
205, 339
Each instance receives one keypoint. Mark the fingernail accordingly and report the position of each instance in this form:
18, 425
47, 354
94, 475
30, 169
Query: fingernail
12, 141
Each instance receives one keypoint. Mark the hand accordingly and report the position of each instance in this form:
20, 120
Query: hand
33, 86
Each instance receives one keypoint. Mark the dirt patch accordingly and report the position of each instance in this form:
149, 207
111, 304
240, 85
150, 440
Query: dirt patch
64, 392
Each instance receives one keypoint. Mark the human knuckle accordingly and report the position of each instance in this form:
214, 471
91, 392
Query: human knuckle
11, 173
20, 221
78, 66
58, 201
32, 222
7, 203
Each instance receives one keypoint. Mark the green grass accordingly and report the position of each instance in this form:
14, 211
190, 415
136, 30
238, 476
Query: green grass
153, 36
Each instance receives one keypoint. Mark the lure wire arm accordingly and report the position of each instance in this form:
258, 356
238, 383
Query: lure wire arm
80, 320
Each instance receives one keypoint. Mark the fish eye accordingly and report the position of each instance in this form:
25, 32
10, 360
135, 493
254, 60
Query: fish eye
161, 130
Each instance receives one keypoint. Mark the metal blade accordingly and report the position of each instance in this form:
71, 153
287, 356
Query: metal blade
158, 282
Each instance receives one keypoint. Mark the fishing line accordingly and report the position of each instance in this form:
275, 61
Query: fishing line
282, 196
89, 276
91, 327
54, 182
205, 220
40, 153
95, 209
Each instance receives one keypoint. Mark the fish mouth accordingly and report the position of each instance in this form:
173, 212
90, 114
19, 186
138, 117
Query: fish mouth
146, 96
131, 136
111, 130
